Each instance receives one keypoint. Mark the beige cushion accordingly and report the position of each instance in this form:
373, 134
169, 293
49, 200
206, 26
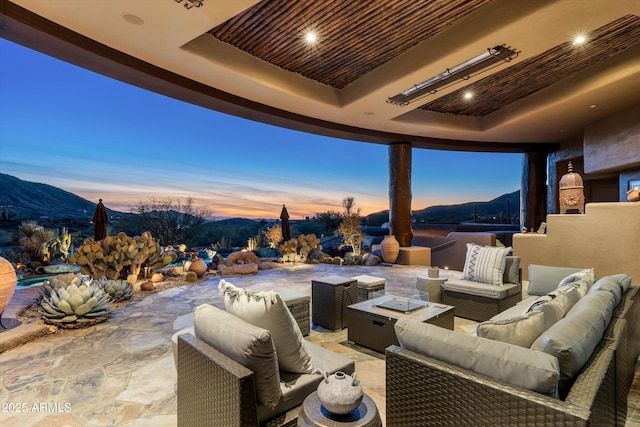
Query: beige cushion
511, 364
511, 269
267, 310
482, 289
245, 343
520, 330
544, 279
296, 387
485, 264
609, 284
573, 339
588, 276
574, 292
554, 309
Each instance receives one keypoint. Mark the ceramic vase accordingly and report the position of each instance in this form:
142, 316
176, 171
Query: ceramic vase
8, 281
198, 266
340, 393
390, 248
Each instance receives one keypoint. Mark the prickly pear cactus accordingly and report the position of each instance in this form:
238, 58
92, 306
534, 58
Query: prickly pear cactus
118, 290
76, 306
121, 256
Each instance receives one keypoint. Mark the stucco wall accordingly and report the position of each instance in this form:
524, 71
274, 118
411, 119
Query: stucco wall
613, 143
606, 237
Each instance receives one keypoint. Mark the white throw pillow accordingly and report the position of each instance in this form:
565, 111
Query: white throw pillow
267, 310
245, 343
519, 330
485, 264
574, 292
588, 276
553, 307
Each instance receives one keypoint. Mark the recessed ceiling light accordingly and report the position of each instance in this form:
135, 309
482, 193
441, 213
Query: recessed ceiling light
468, 95
580, 39
132, 19
311, 37
593, 106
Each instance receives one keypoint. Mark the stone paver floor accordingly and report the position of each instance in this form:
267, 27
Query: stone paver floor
121, 372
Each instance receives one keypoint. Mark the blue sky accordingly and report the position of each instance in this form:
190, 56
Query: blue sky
100, 138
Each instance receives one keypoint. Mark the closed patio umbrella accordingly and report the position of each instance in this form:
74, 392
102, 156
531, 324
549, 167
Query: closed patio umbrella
286, 228
100, 219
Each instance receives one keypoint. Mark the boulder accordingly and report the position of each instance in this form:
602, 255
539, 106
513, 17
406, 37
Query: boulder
242, 257
147, 286
268, 265
250, 268
157, 277
371, 259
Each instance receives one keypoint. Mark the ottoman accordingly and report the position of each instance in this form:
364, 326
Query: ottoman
367, 285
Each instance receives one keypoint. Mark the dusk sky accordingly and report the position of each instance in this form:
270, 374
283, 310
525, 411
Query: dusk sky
100, 138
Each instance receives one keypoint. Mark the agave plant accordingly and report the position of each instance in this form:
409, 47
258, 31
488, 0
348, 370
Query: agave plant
118, 290
63, 281
73, 306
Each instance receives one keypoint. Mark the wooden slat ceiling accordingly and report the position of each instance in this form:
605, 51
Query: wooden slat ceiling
536, 73
355, 36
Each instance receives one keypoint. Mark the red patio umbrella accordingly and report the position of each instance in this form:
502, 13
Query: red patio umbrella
100, 219
286, 228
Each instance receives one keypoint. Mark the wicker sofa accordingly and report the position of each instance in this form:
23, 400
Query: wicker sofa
422, 389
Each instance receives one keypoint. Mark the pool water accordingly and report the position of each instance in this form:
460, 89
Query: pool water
34, 281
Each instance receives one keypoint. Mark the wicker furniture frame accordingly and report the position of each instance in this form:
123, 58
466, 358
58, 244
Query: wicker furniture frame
215, 390
422, 391
330, 297
372, 327
299, 308
476, 307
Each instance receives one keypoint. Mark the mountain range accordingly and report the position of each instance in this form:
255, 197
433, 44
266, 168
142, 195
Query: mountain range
35, 200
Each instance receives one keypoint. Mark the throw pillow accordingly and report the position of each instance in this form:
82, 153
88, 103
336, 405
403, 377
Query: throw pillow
553, 309
245, 343
511, 269
573, 293
267, 310
544, 279
485, 264
588, 276
520, 330
522, 367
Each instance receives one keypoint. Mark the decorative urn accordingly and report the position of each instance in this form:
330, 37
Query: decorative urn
571, 192
340, 393
198, 266
390, 248
8, 281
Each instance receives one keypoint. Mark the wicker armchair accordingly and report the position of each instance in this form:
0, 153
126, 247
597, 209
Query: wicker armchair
214, 390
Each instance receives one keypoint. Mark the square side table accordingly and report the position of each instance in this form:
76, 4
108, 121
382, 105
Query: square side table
330, 297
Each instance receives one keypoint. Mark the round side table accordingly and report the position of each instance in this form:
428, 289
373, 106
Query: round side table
432, 285
314, 414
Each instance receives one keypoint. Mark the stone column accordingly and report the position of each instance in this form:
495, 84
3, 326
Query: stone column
400, 192
533, 191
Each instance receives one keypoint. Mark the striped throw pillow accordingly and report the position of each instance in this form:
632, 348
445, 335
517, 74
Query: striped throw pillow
485, 264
